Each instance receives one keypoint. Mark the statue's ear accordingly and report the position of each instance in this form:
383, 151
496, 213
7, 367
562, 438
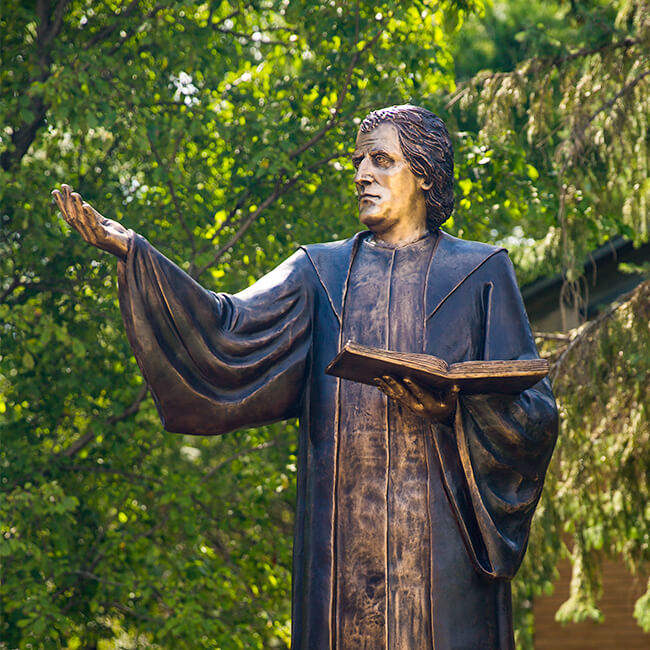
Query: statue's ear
425, 184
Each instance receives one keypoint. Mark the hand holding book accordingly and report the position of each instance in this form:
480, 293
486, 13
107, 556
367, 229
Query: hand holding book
438, 406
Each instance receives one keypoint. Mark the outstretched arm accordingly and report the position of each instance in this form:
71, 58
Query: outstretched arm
96, 229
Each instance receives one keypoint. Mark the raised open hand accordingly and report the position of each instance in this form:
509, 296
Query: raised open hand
96, 229
423, 402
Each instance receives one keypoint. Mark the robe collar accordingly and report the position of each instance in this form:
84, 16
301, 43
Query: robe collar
452, 262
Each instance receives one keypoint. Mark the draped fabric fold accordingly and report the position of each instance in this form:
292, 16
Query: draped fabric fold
495, 470
504, 453
215, 362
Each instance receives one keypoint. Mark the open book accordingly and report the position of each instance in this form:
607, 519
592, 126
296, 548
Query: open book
364, 364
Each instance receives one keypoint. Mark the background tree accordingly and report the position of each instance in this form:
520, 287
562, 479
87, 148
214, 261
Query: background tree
221, 131
558, 110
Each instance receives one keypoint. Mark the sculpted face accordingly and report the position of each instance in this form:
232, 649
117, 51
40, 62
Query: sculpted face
391, 197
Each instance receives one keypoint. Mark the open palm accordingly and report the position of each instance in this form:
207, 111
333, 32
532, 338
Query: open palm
96, 229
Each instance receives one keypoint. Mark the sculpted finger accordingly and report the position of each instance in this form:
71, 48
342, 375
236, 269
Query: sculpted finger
65, 197
422, 398
404, 395
83, 225
425, 398
58, 199
77, 201
395, 384
66, 192
417, 390
74, 216
414, 404
393, 390
385, 388
71, 203
66, 207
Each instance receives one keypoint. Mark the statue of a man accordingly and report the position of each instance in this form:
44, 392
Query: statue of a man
413, 509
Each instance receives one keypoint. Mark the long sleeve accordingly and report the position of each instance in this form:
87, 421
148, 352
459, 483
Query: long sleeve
217, 362
495, 471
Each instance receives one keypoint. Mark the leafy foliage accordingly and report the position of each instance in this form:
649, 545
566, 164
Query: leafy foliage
596, 501
564, 100
221, 131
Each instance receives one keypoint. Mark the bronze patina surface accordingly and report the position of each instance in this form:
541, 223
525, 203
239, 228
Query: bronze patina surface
413, 509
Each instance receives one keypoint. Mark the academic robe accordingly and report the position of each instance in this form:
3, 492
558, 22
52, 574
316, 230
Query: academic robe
218, 362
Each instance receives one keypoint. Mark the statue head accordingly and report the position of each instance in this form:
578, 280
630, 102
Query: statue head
427, 148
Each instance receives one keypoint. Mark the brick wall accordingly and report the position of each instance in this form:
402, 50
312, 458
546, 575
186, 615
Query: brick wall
619, 629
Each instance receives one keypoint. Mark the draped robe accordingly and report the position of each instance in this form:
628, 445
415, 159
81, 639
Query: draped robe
407, 532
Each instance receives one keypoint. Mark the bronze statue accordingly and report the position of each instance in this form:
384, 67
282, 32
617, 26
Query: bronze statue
414, 509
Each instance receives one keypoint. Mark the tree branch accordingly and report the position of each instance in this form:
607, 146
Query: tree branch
591, 327
92, 576
341, 96
229, 217
22, 137
48, 29
100, 469
56, 23
623, 91
15, 283
535, 65
132, 587
551, 336
239, 454
280, 190
129, 612
80, 443
249, 37
104, 34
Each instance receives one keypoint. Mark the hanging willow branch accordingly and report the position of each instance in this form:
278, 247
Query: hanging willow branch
597, 487
584, 113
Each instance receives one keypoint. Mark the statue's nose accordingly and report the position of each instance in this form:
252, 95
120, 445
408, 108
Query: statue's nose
363, 175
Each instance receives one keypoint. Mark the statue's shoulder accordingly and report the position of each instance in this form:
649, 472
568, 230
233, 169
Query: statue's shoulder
466, 255
333, 248
461, 252
330, 262
332, 252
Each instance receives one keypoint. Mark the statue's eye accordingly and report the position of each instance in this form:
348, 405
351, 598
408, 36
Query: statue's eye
382, 159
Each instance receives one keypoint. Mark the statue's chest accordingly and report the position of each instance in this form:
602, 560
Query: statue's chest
384, 302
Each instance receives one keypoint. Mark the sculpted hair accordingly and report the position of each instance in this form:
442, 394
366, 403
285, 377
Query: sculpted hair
427, 147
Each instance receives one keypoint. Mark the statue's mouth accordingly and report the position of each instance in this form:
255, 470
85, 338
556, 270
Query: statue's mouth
367, 197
